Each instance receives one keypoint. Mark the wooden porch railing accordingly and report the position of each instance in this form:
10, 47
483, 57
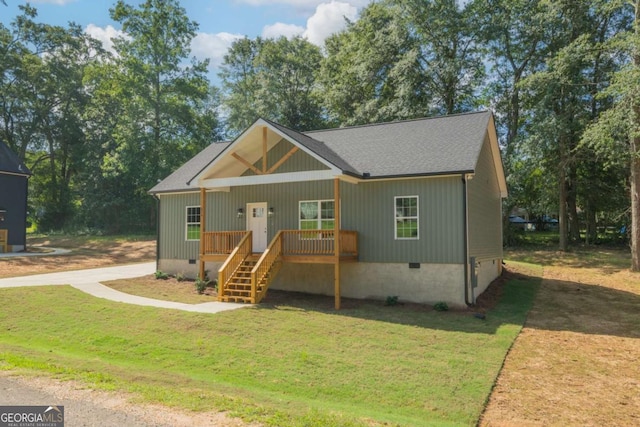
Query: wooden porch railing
318, 242
221, 242
237, 257
266, 268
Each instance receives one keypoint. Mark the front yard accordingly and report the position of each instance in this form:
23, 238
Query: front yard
294, 361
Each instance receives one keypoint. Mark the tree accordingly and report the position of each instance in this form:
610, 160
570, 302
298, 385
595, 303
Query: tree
450, 57
274, 79
238, 74
562, 100
42, 95
166, 111
616, 134
371, 71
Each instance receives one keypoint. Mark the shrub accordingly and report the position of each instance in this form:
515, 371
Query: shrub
180, 277
160, 275
441, 306
391, 300
201, 285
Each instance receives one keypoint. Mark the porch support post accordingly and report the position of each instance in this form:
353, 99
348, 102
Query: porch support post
264, 149
203, 228
336, 241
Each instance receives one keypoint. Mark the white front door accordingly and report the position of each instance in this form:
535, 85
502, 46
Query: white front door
257, 223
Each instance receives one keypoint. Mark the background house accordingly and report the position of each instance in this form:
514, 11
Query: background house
410, 209
14, 177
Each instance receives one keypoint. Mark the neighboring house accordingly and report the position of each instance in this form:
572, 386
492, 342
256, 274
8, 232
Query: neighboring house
14, 177
409, 209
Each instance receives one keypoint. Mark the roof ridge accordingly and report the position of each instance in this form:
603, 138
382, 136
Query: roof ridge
443, 116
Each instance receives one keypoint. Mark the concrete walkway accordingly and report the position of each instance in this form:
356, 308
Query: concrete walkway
52, 251
89, 281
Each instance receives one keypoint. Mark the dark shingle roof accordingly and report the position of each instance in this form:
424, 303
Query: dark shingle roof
10, 162
429, 146
179, 180
316, 146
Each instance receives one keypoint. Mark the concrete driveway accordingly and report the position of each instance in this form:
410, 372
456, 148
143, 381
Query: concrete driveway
89, 281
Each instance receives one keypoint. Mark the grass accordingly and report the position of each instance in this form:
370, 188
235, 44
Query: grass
289, 363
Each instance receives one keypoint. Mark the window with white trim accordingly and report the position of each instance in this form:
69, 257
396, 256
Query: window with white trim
193, 223
406, 217
317, 215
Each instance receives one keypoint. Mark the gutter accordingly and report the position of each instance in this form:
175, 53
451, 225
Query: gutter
157, 231
465, 211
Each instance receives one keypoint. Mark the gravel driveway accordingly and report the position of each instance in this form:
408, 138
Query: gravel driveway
84, 407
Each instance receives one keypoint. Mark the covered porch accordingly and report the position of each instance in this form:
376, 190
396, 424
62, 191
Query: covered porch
248, 271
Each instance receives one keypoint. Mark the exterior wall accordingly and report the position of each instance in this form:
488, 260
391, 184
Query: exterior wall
367, 208
485, 220
13, 198
429, 284
485, 209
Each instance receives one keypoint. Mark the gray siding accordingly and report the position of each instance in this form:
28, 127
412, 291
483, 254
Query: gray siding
367, 208
173, 234
485, 207
298, 162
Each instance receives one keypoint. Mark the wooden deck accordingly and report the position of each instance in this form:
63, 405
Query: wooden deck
246, 276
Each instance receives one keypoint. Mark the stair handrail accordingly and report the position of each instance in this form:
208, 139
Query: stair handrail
234, 260
265, 263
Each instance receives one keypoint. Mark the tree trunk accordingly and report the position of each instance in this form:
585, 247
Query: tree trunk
635, 161
562, 211
572, 207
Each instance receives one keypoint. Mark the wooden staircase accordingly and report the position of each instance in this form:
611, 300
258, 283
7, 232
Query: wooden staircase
245, 277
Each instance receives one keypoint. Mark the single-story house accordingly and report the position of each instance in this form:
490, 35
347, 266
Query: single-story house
14, 177
409, 209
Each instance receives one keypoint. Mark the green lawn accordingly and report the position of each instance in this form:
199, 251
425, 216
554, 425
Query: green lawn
300, 363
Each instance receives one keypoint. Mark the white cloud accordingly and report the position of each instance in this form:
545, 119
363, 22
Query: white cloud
299, 4
104, 35
328, 19
213, 46
279, 29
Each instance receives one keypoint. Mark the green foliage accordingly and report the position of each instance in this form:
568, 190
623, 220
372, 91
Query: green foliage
180, 277
201, 284
274, 79
441, 306
391, 300
161, 275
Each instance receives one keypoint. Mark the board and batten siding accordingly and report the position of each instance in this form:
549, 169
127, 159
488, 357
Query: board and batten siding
368, 208
298, 162
485, 209
173, 230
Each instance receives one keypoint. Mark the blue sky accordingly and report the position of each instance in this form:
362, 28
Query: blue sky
221, 21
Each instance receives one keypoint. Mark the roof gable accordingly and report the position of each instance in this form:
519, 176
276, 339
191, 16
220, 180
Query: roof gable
10, 163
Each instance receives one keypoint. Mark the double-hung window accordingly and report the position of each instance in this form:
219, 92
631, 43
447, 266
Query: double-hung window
406, 217
317, 215
193, 222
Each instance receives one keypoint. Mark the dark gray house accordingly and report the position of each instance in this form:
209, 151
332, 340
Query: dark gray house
409, 209
14, 177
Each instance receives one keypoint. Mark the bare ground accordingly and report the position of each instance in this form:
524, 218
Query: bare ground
576, 361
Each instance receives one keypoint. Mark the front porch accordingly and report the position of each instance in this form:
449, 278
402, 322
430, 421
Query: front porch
245, 276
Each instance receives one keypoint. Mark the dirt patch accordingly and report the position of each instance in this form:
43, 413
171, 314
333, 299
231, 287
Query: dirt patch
170, 289
576, 360
85, 253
